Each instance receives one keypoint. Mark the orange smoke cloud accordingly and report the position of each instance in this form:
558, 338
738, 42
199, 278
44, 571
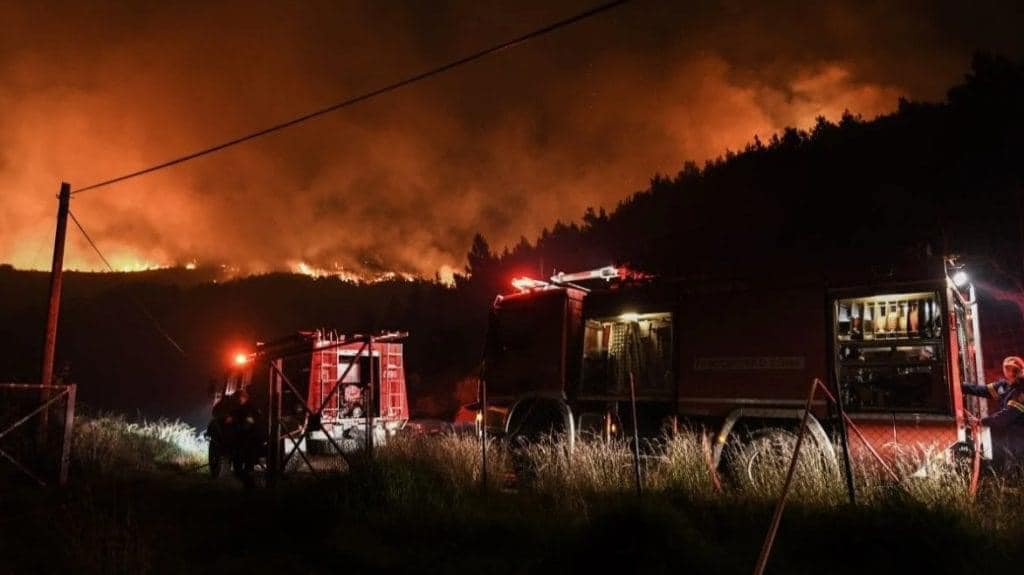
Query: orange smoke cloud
400, 184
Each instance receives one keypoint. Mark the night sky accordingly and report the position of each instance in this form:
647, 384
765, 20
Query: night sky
505, 146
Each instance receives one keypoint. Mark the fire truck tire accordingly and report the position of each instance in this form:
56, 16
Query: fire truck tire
535, 419
765, 456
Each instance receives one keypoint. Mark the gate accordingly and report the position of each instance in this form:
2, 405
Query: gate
36, 423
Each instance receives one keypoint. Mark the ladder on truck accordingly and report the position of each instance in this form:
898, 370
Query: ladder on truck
325, 363
392, 383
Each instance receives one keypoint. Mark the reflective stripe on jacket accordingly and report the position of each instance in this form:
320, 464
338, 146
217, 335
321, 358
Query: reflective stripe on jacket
1011, 402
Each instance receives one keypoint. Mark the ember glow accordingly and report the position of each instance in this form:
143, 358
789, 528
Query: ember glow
339, 272
400, 184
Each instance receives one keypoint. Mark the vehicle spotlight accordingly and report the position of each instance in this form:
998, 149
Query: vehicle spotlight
960, 278
241, 359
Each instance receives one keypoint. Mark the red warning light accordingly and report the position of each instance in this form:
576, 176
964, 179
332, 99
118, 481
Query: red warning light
527, 284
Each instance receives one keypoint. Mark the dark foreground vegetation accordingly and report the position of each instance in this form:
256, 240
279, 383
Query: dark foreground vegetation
141, 503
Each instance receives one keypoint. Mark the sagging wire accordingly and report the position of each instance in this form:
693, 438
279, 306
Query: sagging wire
156, 324
364, 96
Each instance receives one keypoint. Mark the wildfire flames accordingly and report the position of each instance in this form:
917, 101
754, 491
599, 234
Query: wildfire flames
405, 181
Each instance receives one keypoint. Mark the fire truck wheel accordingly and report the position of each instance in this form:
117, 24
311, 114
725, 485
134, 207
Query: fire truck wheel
534, 420
761, 460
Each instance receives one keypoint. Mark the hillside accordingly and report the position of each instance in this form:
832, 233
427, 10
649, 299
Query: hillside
941, 177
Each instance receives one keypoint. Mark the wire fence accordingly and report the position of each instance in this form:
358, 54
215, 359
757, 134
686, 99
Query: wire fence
36, 423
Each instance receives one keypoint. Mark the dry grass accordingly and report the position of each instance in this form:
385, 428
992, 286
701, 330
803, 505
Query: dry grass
112, 444
451, 459
408, 465
418, 502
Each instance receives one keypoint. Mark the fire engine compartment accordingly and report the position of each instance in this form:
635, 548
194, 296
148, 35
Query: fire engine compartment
627, 344
890, 353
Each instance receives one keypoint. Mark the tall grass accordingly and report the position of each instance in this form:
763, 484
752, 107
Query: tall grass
752, 472
418, 502
112, 444
425, 466
418, 466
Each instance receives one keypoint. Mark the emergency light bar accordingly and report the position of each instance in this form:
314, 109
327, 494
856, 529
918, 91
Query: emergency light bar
606, 273
527, 284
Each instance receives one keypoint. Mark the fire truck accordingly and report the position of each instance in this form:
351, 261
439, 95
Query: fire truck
316, 391
739, 354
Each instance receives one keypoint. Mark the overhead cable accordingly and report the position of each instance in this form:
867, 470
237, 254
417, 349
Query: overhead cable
360, 98
138, 304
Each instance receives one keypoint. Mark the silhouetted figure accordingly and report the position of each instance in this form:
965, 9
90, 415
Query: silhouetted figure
245, 437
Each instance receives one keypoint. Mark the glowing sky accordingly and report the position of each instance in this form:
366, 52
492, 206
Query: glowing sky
505, 146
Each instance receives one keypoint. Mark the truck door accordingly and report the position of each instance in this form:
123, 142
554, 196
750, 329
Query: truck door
968, 369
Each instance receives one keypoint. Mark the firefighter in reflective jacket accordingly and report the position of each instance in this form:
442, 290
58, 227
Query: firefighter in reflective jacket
1009, 392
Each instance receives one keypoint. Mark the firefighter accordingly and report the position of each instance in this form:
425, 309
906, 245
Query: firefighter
353, 401
1009, 392
245, 437
219, 431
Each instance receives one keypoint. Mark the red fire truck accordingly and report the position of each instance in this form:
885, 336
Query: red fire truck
739, 354
313, 388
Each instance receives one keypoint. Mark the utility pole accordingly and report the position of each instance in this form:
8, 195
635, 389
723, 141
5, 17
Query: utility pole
53, 309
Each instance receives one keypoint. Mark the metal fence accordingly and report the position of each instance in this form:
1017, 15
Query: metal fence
36, 423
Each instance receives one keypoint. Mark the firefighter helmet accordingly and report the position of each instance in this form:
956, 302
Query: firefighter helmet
1014, 362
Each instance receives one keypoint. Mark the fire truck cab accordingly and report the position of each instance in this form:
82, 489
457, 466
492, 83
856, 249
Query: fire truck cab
562, 354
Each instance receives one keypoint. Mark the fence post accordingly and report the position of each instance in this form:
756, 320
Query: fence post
370, 403
769, 540
69, 424
482, 393
636, 438
844, 436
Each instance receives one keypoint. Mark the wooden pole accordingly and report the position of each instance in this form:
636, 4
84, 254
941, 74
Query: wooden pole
53, 308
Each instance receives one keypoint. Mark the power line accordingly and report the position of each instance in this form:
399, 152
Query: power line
135, 300
362, 97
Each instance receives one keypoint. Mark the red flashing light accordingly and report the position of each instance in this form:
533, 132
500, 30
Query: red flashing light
241, 358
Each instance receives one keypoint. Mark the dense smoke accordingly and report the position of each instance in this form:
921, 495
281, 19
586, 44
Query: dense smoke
504, 146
